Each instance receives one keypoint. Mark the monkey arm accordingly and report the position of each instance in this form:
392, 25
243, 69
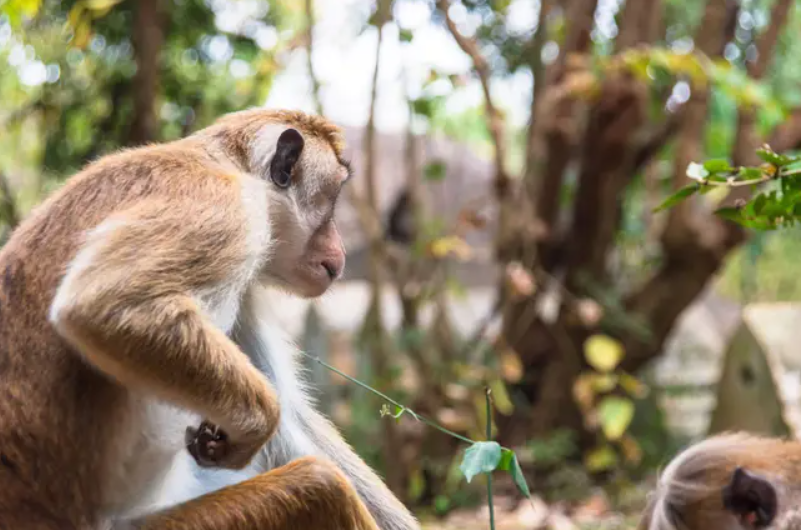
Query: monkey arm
138, 303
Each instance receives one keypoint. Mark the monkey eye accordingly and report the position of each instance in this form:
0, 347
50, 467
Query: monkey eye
282, 179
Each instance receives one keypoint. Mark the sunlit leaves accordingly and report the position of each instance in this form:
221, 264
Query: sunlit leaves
452, 246
16, 10
615, 415
81, 16
603, 353
605, 396
697, 69
768, 209
600, 459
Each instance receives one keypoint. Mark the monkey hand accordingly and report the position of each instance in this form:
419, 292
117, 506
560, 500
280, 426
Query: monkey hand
210, 446
207, 444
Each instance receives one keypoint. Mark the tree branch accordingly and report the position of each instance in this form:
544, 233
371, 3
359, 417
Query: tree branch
638, 23
693, 245
553, 133
9, 212
494, 118
656, 139
710, 40
318, 105
148, 38
607, 162
787, 135
747, 137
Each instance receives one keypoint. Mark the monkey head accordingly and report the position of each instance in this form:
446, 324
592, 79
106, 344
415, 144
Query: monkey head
729, 482
299, 161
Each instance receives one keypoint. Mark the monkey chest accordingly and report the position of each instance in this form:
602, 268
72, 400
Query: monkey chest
149, 463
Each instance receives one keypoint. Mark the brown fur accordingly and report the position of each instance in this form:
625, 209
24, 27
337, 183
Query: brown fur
131, 324
690, 492
307, 493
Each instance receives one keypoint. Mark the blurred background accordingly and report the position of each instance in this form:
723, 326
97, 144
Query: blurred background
501, 230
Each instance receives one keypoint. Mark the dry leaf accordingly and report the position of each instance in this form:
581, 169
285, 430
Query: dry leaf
511, 365
589, 312
520, 281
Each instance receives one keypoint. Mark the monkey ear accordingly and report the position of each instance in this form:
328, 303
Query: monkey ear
751, 498
287, 152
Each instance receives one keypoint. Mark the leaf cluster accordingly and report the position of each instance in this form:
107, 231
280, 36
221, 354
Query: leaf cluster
768, 209
605, 395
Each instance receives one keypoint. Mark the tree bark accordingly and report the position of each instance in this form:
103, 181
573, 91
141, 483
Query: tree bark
554, 133
377, 337
694, 246
148, 39
695, 243
747, 137
318, 105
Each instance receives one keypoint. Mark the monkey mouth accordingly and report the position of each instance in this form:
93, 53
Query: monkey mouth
304, 282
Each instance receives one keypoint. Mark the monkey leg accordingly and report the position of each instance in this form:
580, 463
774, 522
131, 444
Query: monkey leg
307, 494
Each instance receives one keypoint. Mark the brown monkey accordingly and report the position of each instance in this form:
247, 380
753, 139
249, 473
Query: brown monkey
129, 330
729, 482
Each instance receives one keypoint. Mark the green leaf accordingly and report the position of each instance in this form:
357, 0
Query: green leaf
100, 5
435, 171
768, 155
519, 478
507, 455
615, 414
750, 173
406, 35
441, 504
481, 457
759, 203
16, 9
603, 352
600, 459
423, 107
677, 197
718, 165
730, 214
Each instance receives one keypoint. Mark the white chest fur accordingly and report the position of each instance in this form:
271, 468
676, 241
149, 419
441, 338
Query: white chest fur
152, 468
151, 445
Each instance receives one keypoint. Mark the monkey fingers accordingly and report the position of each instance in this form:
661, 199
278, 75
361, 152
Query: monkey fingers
207, 444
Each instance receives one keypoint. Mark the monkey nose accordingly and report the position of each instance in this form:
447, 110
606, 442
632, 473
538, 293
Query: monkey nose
334, 267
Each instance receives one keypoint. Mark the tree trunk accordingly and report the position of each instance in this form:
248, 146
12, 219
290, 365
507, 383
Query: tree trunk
148, 38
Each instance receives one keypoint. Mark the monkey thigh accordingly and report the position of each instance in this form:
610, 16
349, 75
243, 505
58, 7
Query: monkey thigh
24, 519
308, 493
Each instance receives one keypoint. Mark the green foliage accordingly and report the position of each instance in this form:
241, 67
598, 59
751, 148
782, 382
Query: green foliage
17, 10
768, 209
481, 457
87, 109
553, 450
435, 171
605, 396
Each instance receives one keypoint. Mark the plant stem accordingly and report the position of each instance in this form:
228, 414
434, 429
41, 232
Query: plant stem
387, 398
489, 475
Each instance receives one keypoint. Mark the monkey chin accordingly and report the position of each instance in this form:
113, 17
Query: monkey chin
304, 282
